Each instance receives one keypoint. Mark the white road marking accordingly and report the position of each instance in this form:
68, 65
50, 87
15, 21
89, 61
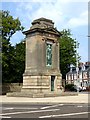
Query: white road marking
30, 112
64, 115
24, 108
79, 106
5, 117
51, 106
17, 108
8, 108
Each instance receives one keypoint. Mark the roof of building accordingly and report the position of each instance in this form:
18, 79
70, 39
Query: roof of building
81, 65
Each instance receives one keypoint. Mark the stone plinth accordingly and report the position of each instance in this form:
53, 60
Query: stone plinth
41, 84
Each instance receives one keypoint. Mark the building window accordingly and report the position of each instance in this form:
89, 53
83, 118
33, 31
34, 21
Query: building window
75, 76
48, 54
84, 75
71, 77
89, 74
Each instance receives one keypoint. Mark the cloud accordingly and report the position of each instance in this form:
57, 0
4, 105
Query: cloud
64, 1
33, 10
50, 11
25, 6
82, 20
58, 11
83, 52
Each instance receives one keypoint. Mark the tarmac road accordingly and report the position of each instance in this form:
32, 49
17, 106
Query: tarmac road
62, 110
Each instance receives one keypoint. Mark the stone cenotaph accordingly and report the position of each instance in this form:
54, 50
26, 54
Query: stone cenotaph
42, 77
42, 73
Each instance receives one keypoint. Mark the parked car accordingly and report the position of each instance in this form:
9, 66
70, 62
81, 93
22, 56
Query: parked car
83, 88
76, 88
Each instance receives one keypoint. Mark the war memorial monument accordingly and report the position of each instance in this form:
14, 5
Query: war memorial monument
42, 77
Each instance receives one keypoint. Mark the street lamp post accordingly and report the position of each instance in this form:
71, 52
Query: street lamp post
77, 77
77, 69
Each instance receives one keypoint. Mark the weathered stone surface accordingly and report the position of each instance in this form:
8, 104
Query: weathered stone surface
41, 95
42, 74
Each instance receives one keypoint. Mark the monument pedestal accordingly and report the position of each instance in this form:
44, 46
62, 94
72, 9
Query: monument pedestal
42, 84
39, 87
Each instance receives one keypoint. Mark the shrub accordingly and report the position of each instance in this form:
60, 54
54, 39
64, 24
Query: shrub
69, 87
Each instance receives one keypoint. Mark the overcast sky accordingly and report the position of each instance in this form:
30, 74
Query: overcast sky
66, 14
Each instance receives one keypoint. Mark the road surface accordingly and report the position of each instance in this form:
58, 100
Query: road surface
62, 110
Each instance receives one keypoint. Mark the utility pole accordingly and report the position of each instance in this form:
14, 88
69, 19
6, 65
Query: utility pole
77, 69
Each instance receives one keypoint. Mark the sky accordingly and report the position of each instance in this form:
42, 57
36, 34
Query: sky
66, 14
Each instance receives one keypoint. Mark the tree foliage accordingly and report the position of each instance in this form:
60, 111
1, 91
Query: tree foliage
19, 62
68, 47
8, 27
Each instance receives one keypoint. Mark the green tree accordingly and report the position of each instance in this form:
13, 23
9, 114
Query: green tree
8, 27
68, 47
19, 62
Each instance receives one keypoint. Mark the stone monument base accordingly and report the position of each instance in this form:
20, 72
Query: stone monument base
42, 84
41, 87
35, 95
40, 95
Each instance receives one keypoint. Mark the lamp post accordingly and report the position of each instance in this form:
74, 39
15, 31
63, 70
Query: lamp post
77, 69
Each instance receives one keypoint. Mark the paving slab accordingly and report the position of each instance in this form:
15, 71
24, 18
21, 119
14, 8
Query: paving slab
80, 98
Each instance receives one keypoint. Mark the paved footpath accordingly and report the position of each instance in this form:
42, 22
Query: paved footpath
80, 98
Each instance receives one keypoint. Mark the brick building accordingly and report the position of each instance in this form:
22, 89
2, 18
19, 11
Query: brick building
83, 79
